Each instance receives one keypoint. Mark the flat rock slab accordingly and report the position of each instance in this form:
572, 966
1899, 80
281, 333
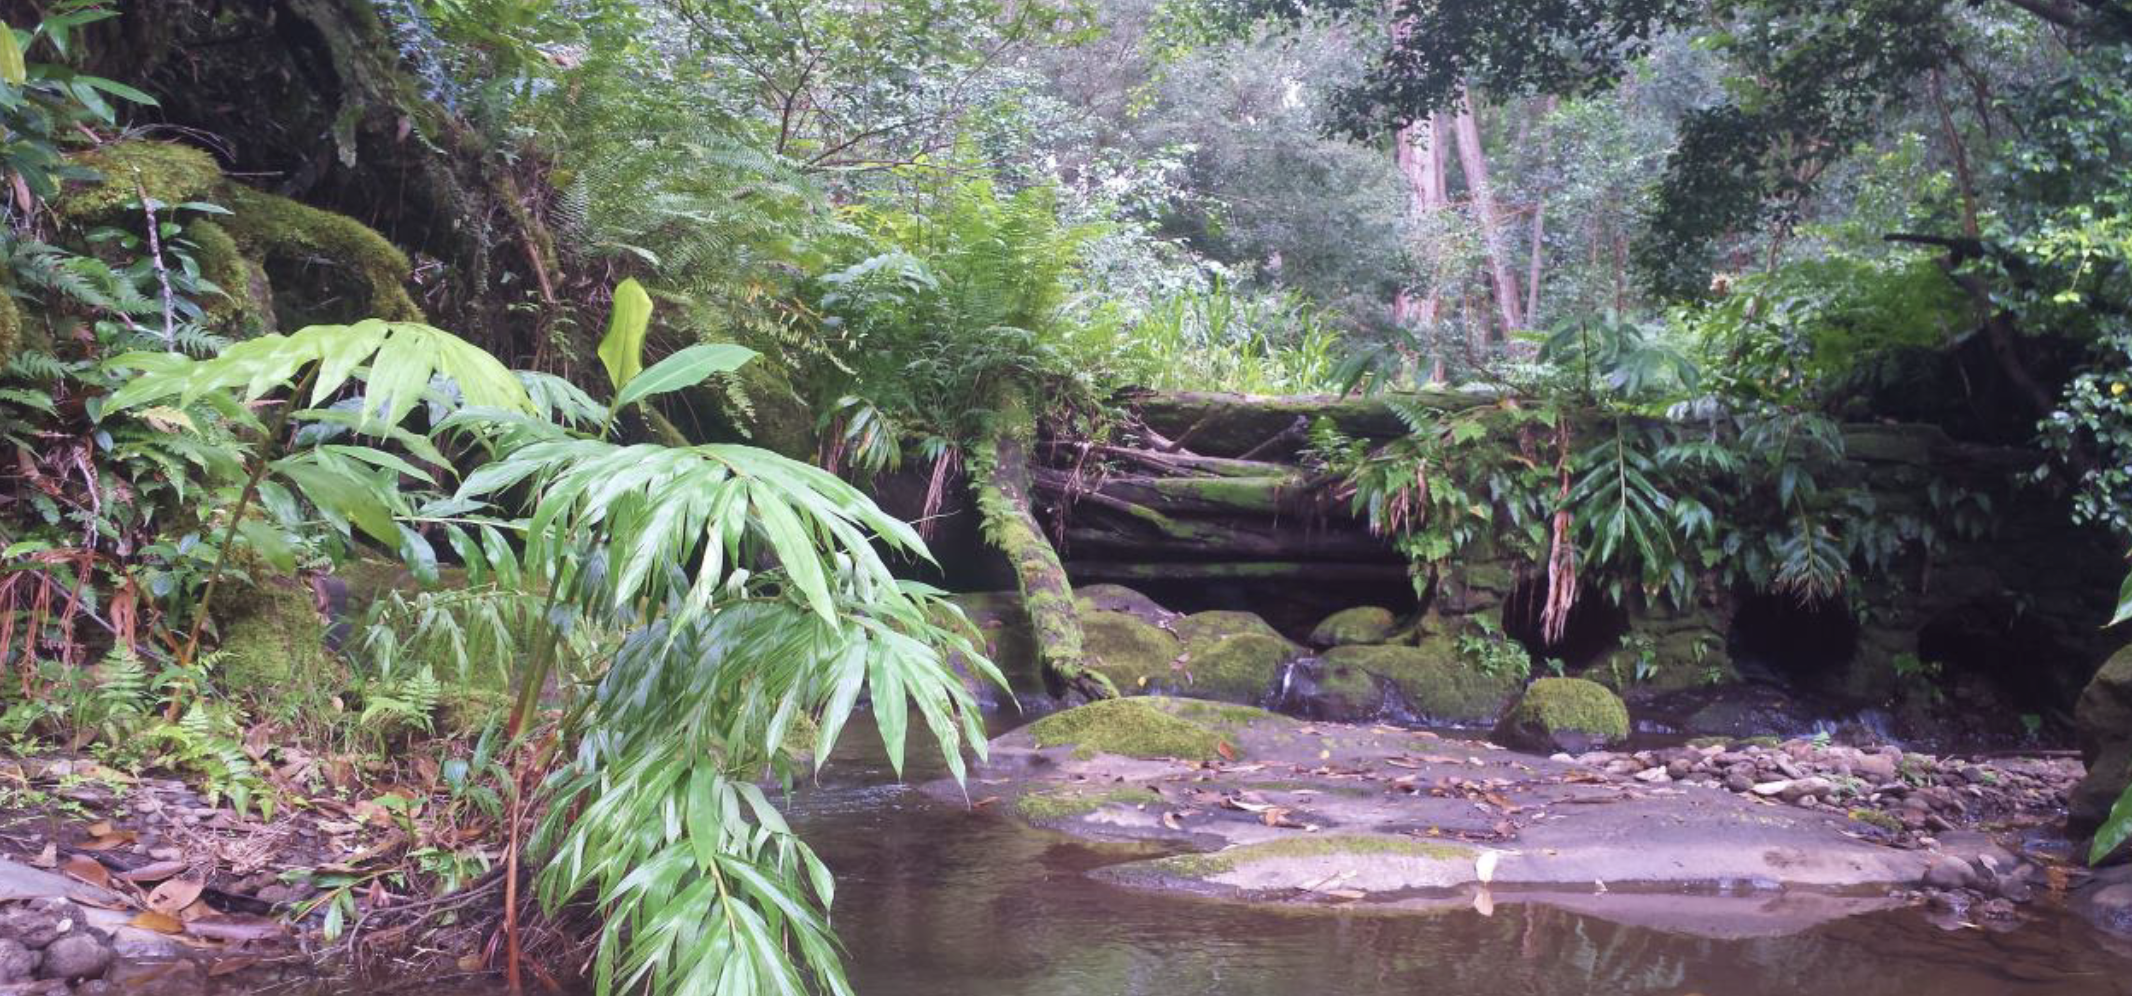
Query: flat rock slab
1297, 812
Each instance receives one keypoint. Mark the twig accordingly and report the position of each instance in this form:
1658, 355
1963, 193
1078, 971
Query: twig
155, 255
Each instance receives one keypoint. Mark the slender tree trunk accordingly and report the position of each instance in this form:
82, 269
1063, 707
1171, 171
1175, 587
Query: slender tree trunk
1419, 151
1545, 107
1510, 305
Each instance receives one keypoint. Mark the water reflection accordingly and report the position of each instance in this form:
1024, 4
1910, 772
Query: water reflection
935, 900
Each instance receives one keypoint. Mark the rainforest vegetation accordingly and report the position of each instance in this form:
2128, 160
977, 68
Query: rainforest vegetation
560, 350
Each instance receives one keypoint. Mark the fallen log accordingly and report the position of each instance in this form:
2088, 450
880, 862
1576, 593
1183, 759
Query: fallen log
1229, 425
1187, 463
1325, 572
1287, 495
999, 478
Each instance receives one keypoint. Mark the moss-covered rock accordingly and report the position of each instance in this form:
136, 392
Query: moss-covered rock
2102, 720
1134, 654
1058, 805
1435, 682
10, 324
267, 225
1361, 624
246, 298
170, 172
1141, 727
1219, 624
1565, 714
1119, 598
1292, 848
273, 648
1236, 668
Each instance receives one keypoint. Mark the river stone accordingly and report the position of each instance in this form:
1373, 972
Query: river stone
1239, 668
1949, 872
2103, 722
1567, 714
17, 963
1134, 654
1220, 624
78, 955
1433, 678
1119, 598
1361, 624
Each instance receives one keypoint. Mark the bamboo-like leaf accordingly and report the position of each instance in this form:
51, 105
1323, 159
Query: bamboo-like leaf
684, 369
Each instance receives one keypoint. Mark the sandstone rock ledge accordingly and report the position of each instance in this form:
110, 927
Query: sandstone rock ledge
1266, 808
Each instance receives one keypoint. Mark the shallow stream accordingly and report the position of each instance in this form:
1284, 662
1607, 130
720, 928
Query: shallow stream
935, 900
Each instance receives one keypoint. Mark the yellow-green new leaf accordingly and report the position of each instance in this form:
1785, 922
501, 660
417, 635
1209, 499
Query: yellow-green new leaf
622, 348
12, 69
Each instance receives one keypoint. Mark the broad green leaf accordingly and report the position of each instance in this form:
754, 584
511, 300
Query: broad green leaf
622, 348
2124, 602
2114, 829
684, 369
12, 69
269, 543
345, 496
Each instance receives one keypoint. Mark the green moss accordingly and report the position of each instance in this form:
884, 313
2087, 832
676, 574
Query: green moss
1222, 716
798, 743
1065, 804
244, 297
1237, 668
1874, 817
1361, 624
1327, 846
1433, 677
1134, 654
10, 323
1557, 711
270, 225
273, 647
1221, 623
1132, 727
171, 173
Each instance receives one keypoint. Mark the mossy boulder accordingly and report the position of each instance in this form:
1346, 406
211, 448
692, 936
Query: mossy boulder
273, 649
1437, 684
1219, 624
1361, 624
1002, 633
1134, 654
1119, 598
267, 226
2102, 721
1143, 727
1238, 668
1054, 806
1565, 714
170, 172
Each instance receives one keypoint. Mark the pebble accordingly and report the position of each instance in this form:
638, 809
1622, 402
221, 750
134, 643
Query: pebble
78, 955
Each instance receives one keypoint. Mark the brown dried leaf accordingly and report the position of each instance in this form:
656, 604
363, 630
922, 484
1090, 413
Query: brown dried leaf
176, 894
154, 871
47, 858
236, 927
1227, 752
109, 841
161, 923
86, 869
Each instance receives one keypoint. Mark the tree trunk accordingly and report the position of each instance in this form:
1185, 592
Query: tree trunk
999, 478
1474, 161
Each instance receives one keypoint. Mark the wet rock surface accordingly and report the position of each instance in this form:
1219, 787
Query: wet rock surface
1290, 811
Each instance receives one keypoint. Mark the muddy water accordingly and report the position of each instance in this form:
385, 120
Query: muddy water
934, 900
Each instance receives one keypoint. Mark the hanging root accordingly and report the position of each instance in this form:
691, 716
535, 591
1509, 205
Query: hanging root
1561, 552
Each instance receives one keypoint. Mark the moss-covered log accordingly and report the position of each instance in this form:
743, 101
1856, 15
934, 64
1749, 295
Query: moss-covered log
1322, 572
1231, 425
1286, 495
999, 478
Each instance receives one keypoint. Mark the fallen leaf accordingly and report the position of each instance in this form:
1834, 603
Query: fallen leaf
87, 869
100, 829
161, 923
228, 966
1346, 895
986, 801
1483, 903
109, 841
1170, 820
1227, 752
1484, 866
236, 927
175, 895
155, 871
47, 858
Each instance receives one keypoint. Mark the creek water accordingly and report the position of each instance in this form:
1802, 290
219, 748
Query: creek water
936, 900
